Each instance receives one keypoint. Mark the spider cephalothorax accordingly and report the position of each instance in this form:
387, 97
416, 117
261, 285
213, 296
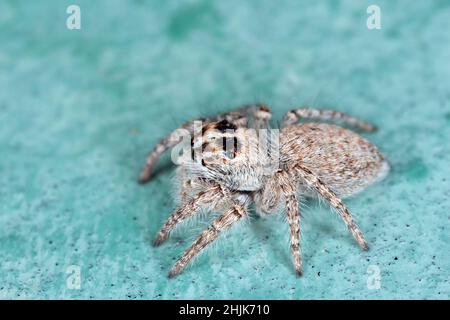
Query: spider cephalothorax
236, 160
233, 156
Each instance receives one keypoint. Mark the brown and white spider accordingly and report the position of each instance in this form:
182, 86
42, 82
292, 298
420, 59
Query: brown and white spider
227, 170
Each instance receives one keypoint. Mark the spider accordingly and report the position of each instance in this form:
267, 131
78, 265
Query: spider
230, 174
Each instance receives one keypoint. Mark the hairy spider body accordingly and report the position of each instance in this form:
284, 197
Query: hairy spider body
228, 171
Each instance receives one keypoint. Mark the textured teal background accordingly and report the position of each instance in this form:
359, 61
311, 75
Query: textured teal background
80, 109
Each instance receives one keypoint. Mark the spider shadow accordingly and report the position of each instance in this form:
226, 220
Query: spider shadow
262, 227
319, 224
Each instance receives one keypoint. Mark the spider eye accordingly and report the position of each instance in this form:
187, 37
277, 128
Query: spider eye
230, 146
192, 149
225, 125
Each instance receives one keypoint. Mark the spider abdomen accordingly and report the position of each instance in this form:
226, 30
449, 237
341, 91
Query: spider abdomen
340, 158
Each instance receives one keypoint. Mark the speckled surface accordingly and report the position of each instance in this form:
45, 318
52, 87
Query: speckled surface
80, 109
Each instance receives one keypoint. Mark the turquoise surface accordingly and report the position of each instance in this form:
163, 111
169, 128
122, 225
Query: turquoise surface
80, 109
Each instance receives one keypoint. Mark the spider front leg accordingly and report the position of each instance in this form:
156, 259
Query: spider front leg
186, 185
315, 183
165, 144
296, 115
184, 194
293, 216
188, 209
261, 115
225, 221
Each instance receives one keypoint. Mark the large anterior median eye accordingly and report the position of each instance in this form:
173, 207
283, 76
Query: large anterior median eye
230, 146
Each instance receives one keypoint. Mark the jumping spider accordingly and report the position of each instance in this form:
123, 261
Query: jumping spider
314, 159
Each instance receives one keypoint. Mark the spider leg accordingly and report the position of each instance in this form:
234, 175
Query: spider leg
260, 115
184, 194
166, 143
187, 210
223, 222
293, 217
296, 115
186, 184
315, 183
